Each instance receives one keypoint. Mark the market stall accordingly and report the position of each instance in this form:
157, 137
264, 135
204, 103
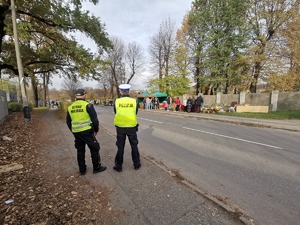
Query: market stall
161, 96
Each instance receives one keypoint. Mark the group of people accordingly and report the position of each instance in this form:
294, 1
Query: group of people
151, 103
192, 104
83, 122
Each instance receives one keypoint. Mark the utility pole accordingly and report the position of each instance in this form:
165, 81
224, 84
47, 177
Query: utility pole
26, 109
47, 85
45, 89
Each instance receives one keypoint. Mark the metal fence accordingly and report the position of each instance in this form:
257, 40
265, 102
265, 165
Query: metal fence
3, 106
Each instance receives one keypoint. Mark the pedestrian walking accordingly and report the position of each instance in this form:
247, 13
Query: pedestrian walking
125, 120
82, 120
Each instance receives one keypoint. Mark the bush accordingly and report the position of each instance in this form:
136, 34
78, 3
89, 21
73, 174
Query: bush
63, 108
15, 107
31, 106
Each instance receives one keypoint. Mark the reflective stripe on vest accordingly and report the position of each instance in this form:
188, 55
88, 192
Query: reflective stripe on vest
125, 112
81, 120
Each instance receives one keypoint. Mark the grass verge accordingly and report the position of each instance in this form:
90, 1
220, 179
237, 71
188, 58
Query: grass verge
291, 114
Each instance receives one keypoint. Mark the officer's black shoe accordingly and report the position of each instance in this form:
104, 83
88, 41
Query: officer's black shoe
82, 172
136, 167
116, 168
100, 169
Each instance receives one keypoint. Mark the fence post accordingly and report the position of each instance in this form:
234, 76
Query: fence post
274, 100
242, 98
218, 99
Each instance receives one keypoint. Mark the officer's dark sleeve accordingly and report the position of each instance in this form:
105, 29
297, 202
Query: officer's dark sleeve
137, 107
68, 121
93, 115
115, 106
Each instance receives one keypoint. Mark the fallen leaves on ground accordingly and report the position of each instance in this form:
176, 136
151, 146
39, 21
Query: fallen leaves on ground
32, 195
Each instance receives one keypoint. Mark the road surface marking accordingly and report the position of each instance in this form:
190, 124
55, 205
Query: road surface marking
151, 120
238, 139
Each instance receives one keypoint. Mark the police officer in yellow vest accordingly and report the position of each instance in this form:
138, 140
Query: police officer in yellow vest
126, 123
83, 122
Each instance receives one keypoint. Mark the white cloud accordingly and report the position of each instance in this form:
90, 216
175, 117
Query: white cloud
135, 20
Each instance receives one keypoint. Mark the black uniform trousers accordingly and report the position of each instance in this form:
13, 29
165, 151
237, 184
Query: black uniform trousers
131, 133
81, 139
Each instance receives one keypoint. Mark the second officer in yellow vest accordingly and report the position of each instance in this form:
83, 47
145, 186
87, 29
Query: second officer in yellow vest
82, 120
126, 123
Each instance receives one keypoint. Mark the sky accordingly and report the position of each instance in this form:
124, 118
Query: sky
132, 20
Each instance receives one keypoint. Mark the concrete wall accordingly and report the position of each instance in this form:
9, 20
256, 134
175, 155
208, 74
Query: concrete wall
258, 99
226, 100
220, 99
276, 101
288, 100
3, 106
209, 100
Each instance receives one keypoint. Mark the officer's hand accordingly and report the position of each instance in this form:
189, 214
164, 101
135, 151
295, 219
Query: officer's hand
95, 133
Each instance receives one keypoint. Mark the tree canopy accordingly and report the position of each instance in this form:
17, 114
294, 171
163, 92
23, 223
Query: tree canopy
47, 36
229, 45
241, 43
219, 34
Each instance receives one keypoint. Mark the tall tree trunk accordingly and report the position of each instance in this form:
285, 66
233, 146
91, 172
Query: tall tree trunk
226, 88
197, 75
167, 74
160, 71
4, 8
257, 69
35, 92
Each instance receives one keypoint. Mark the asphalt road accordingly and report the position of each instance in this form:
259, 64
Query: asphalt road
253, 169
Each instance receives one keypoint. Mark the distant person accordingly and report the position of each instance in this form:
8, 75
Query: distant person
193, 104
199, 103
153, 103
178, 104
148, 103
156, 103
144, 103
83, 122
126, 123
189, 104
165, 105
169, 101
184, 105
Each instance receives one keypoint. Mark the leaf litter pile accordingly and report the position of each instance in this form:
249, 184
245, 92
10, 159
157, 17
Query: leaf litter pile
32, 193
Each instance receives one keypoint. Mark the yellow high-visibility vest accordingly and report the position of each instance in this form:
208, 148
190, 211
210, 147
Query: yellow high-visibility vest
81, 120
125, 112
